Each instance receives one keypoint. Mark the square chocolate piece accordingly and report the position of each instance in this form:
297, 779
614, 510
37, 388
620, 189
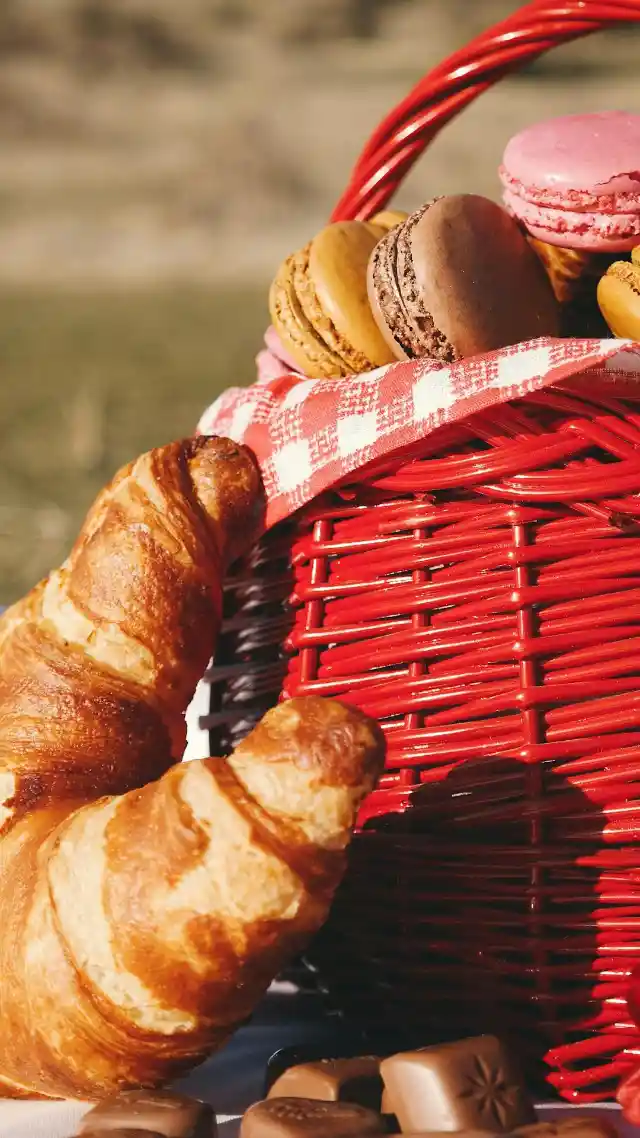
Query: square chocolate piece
469, 1085
333, 1080
447, 1134
575, 1126
346, 1044
122, 1132
172, 1116
309, 1118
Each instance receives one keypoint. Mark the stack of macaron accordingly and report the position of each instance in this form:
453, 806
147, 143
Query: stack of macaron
462, 275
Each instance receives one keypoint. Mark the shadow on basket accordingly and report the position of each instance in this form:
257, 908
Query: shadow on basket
494, 903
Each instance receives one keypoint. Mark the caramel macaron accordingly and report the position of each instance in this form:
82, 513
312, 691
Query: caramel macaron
574, 276
572, 272
387, 219
619, 297
319, 304
456, 279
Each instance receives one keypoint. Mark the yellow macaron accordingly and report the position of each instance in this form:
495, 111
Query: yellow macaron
388, 219
319, 304
619, 297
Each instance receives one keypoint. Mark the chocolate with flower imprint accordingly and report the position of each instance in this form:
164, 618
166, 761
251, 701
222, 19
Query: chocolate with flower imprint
473, 1084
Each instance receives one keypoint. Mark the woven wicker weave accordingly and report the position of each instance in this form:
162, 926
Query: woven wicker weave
482, 601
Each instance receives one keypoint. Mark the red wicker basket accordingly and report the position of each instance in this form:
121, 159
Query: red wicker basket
482, 601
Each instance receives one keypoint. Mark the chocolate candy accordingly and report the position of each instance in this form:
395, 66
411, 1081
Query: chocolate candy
169, 1115
447, 1134
345, 1045
578, 1126
334, 1080
126, 1132
308, 1118
385, 1105
469, 1085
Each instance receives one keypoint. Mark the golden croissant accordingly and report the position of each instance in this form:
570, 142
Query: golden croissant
146, 904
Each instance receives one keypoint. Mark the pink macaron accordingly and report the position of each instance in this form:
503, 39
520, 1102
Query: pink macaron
274, 360
575, 181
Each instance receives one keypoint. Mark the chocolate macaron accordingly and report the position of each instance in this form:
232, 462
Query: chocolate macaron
319, 305
456, 279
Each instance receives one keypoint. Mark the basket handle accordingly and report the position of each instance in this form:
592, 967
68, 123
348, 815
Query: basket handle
444, 92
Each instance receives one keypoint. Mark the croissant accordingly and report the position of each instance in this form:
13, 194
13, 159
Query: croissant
145, 904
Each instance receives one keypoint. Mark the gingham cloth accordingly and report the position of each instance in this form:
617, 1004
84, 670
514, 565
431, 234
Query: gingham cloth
310, 434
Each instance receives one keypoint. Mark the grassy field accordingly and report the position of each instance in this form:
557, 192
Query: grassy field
89, 381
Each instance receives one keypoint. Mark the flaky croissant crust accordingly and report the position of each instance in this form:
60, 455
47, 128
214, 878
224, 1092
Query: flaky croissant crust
99, 661
145, 904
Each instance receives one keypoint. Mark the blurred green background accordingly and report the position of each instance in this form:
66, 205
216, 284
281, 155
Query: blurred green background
159, 158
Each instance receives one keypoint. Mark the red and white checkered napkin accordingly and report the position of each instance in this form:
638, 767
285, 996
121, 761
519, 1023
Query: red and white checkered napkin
310, 434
